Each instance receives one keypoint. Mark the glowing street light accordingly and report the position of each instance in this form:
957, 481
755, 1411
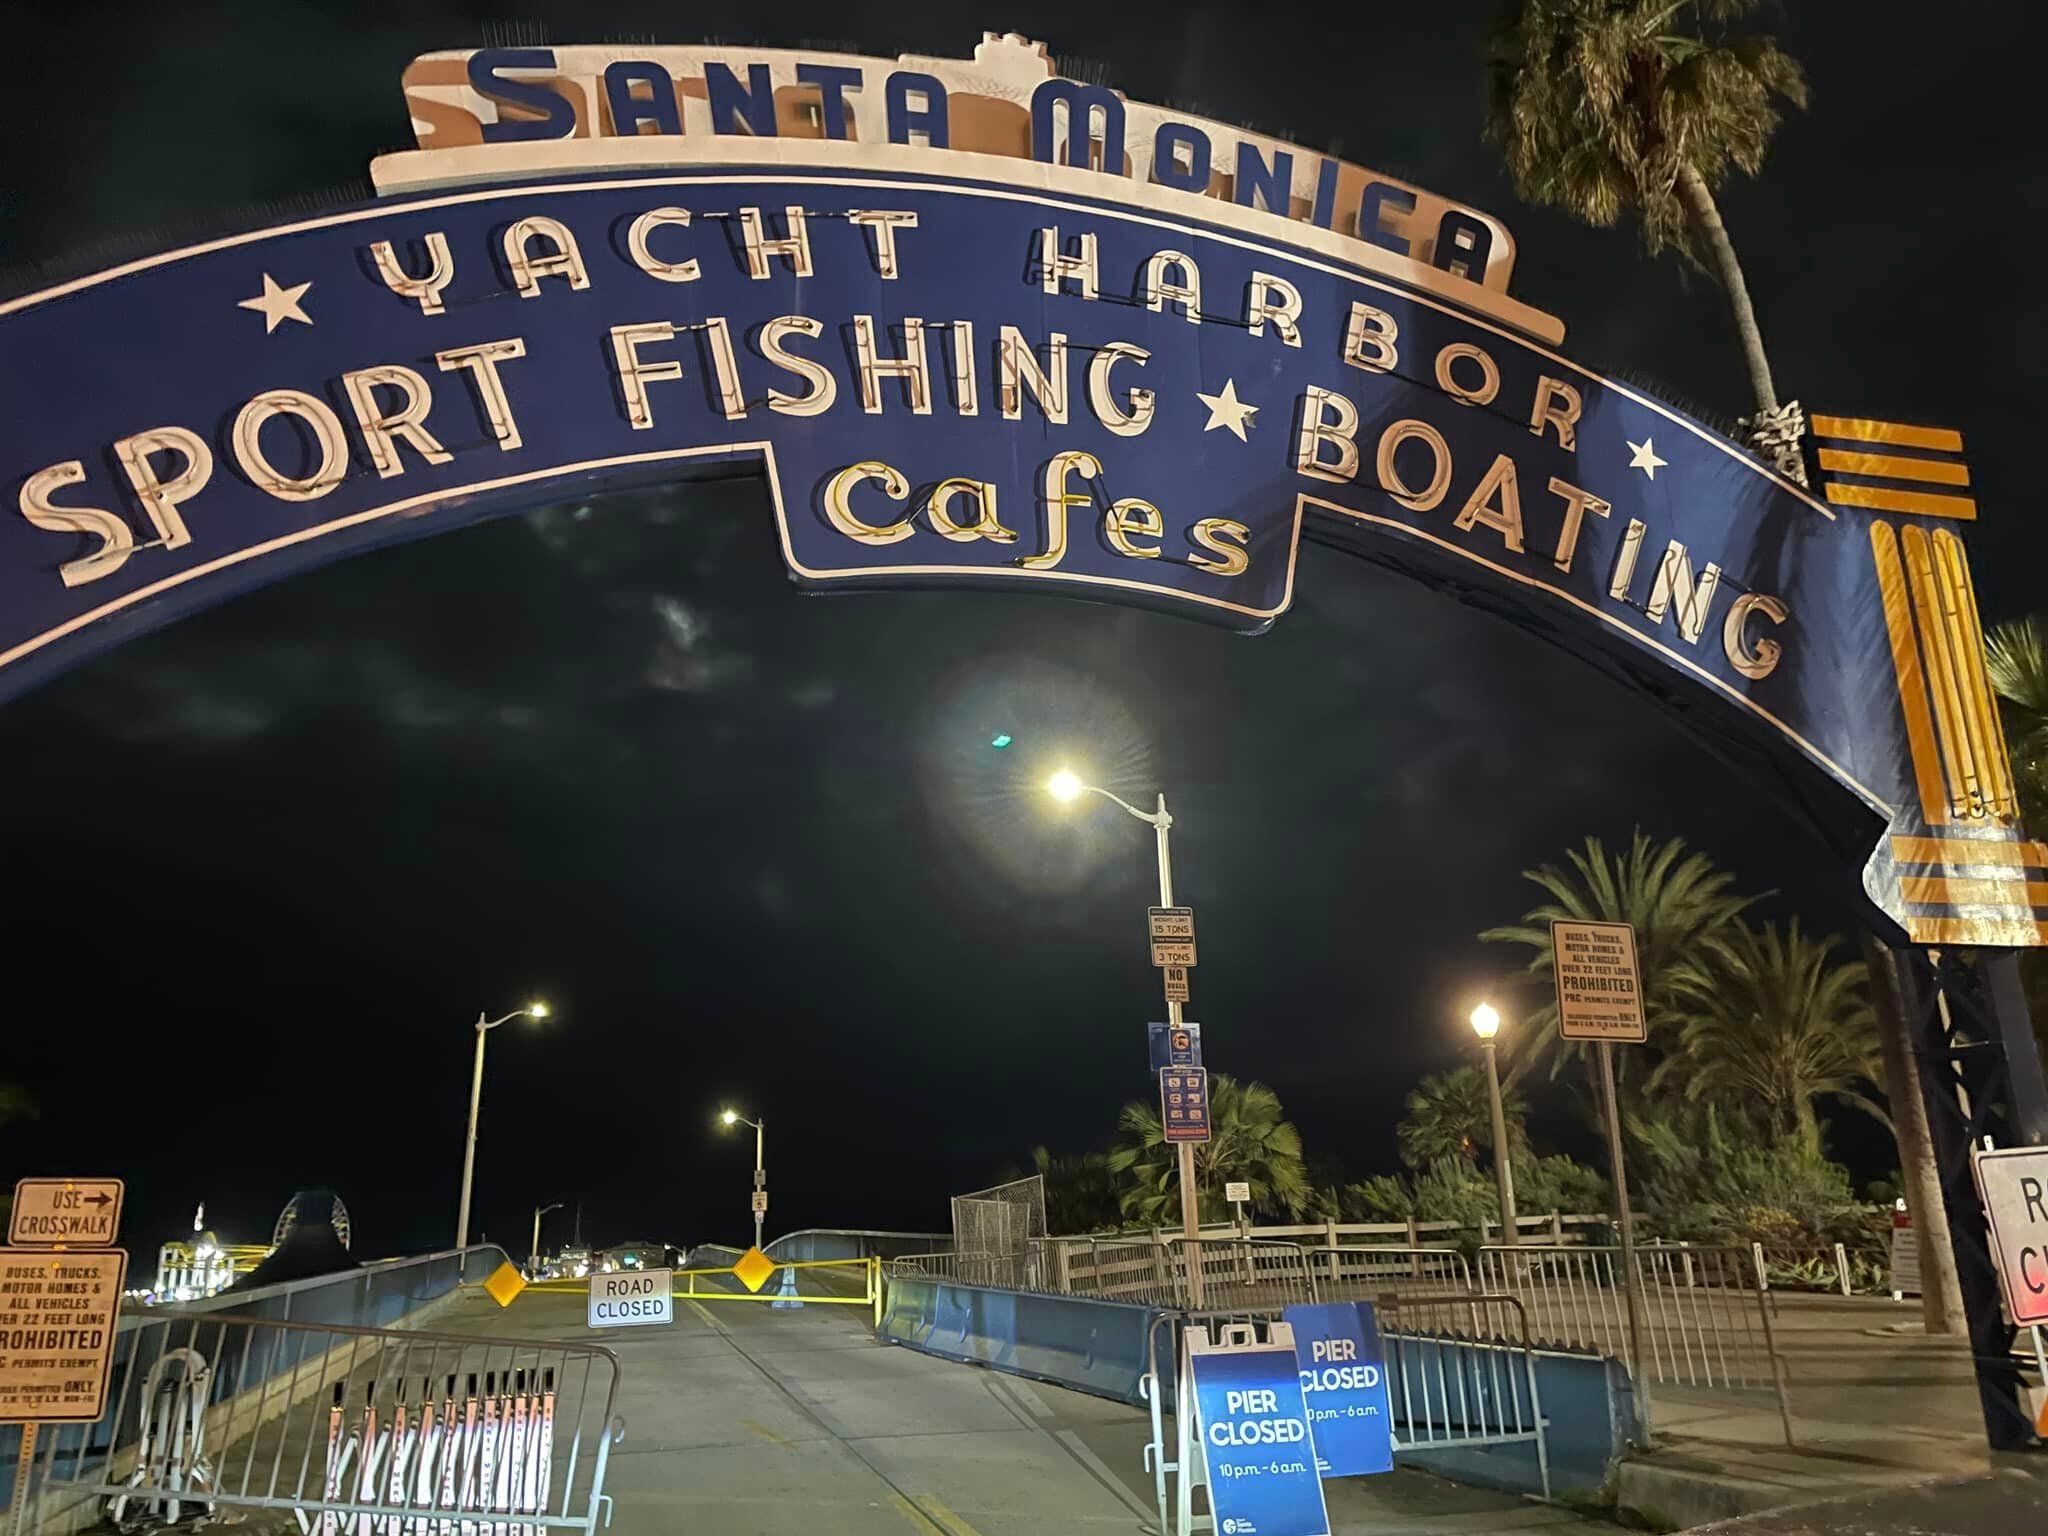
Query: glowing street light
1066, 785
1486, 1024
732, 1117
533, 1010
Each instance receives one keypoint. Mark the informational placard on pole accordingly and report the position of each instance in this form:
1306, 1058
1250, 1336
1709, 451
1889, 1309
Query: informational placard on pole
2014, 1183
1599, 991
632, 1299
1176, 978
760, 1202
1173, 936
1344, 1382
1257, 1453
58, 1312
1905, 1254
1175, 1045
1184, 1103
1237, 1192
73, 1213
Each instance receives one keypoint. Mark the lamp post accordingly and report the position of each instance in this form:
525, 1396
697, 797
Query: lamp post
534, 1010
1486, 1024
734, 1117
533, 1261
1066, 785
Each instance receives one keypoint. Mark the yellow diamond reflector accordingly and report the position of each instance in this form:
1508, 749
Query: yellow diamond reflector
505, 1285
754, 1268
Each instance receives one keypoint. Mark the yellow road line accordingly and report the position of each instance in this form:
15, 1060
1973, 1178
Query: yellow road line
700, 1312
764, 1432
917, 1517
955, 1524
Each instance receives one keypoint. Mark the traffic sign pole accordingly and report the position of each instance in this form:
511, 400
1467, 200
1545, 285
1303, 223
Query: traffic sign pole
1190, 1219
1631, 1281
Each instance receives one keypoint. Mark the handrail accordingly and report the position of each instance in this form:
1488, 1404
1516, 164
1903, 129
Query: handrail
223, 1300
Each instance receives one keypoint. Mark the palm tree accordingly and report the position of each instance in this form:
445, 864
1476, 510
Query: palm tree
1681, 907
1080, 1194
1771, 1025
2016, 657
1250, 1141
1450, 1115
1601, 106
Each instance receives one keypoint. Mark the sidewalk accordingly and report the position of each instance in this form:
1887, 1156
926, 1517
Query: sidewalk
1877, 1408
2008, 1502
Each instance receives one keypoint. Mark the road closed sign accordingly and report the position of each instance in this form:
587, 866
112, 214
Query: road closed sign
1599, 990
2014, 1182
632, 1299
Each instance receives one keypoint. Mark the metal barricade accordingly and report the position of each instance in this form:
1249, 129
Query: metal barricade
349, 1428
1366, 1274
1242, 1272
1461, 1372
1706, 1321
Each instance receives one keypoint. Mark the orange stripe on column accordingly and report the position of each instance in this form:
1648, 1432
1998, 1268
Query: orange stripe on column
1934, 471
1897, 433
1898, 621
1918, 503
1937, 891
1960, 852
2015, 932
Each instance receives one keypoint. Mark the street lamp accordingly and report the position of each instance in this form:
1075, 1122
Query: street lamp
533, 1262
533, 1010
733, 1117
1066, 785
1486, 1024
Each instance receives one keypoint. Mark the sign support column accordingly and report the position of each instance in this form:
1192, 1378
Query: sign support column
1190, 1219
1631, 1281
1600, 1001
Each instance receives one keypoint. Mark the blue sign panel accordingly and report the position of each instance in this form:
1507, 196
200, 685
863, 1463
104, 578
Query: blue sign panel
1256, 1447
1175, 1045
1184, 1103
1344, 1382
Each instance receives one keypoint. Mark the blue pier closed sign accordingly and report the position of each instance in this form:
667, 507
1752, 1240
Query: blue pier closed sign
1344, 1383
1256, 1447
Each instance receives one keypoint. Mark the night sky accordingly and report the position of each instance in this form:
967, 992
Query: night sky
268, 864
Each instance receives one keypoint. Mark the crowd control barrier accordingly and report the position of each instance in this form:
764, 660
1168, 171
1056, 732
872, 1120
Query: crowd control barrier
353, 1430
1090, 1345
385, 1294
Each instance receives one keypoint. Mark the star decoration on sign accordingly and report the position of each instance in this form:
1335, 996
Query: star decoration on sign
278, 304
1227, 411
1645, 458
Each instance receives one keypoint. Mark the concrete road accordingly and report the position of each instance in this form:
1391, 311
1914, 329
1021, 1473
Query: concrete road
2008, 1502
753, 1422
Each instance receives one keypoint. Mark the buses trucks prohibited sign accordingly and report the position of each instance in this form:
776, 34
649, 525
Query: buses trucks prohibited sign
2015, 1187
57, 1316
1599, 992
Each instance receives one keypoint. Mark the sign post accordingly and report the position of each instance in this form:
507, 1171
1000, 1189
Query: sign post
1600, 1000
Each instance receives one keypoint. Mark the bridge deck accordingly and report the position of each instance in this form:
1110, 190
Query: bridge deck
742, 1419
